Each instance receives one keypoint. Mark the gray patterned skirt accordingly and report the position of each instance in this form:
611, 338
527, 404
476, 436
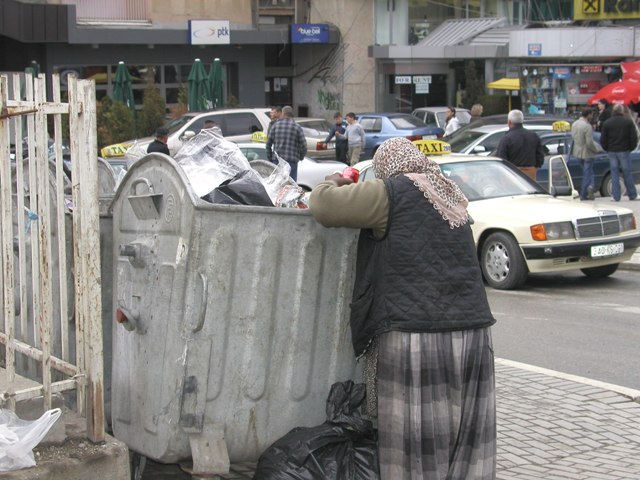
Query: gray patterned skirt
436, 406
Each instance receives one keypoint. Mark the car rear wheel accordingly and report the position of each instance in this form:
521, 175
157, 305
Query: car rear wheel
607, 189
600, 272
502, 263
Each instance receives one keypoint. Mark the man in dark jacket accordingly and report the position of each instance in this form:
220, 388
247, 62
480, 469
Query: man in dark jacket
618, 138
338, 127
520, 146
287, 139
160, 143
603, 115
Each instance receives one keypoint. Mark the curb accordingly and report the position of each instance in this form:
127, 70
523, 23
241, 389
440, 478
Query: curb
630, 265
633, 395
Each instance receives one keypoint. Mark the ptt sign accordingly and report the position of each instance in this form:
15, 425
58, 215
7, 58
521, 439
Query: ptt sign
209, 32
605, 9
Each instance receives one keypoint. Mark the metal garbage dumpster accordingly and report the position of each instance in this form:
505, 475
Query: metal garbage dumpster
233, 320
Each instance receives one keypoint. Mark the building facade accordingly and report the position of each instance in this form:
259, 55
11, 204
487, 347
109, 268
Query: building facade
370, 55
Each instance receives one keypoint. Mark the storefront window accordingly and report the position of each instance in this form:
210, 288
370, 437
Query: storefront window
563, 89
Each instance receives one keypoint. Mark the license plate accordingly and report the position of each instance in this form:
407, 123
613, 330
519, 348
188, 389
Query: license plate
607, 250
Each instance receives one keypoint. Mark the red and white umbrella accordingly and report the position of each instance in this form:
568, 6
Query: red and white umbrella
626, 91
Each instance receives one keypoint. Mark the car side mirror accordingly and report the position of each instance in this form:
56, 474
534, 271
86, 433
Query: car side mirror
479, 149
188, 135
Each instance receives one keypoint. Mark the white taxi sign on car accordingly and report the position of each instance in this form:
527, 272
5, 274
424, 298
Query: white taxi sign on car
561, 126
433, 147
115, 150
259, 137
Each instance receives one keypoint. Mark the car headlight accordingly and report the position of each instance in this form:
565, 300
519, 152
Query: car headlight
552, 231
627, 222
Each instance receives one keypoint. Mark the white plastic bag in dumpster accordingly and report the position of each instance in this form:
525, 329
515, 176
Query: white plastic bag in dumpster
208, 160
19, 437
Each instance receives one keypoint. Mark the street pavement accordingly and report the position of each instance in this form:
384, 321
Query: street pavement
551, 426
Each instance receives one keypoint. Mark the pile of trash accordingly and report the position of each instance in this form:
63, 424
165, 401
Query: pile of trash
344, 447
220, 173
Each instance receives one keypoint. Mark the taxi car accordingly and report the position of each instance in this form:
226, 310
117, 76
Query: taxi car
520, 229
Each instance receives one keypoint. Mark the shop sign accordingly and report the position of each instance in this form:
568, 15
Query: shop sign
417, 79
535, 49
209, 32
422, 88
589, 86
309, 33
591, 69
403, 79
605, 9
562, 73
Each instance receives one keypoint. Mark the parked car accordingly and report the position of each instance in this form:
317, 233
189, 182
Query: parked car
237, 125
310, 171
437, 116
520, 229
484, 139
316, 131
379, 127
557, 143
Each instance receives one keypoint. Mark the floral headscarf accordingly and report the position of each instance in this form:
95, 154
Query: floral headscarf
398, 156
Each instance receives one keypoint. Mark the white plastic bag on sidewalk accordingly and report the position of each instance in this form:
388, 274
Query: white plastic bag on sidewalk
19, 437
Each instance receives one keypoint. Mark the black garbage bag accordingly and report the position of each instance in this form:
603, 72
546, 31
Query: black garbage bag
243, 189
345, 447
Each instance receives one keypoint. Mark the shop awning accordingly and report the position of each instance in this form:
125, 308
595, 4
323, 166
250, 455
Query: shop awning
505, 84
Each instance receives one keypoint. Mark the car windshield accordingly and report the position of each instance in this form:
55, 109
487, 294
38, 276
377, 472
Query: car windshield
407, 122
486, 179
315, 128
174, 125
460, 141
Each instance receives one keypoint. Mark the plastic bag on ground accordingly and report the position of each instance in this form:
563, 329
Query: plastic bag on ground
19, 437
342, 448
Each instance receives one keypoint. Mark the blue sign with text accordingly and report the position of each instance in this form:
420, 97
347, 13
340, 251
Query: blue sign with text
309, 33
535, 49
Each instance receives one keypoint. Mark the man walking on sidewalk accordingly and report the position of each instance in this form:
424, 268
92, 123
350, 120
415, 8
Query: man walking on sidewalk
286, 138
355, 138
585, 149
618, 138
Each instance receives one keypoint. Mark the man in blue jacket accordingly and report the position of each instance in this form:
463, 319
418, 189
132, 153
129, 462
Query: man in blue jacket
618, 138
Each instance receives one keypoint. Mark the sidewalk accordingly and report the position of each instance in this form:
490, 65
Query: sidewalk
634, 263
551, 426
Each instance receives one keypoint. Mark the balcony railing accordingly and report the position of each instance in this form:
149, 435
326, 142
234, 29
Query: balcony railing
117, 11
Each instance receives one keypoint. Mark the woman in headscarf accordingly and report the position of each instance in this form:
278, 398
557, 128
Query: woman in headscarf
419, 317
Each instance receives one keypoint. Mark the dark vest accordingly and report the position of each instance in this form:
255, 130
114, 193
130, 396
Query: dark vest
422, 276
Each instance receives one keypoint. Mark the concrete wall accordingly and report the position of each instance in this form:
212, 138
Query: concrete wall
175, 11
340, 77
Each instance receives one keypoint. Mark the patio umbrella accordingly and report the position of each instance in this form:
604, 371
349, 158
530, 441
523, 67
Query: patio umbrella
198, 86
122, 91
506, 84
216, 83
624, 91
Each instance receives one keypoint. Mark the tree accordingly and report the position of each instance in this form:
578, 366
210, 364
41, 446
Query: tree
153, 110
474, 86
114, 122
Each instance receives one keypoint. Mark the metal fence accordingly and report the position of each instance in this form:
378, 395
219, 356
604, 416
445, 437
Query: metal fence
51, 322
